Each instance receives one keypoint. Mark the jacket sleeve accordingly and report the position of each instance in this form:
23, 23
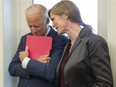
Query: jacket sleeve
15, 67
100, 62
48, 71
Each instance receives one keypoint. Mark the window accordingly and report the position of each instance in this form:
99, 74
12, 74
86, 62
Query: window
88, 10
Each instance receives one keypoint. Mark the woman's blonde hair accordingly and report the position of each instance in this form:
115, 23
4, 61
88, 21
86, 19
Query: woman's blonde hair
68, 8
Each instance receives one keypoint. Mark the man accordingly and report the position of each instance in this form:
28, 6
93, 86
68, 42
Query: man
40, 72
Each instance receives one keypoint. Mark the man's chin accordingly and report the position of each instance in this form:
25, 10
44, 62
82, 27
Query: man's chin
37, 35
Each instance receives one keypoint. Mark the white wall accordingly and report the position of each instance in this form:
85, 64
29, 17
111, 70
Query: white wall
23, 28
13, 26
107, 28
1, 44
112, 37
9, 38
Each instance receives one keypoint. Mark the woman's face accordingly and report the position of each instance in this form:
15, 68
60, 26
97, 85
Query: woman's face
59, 22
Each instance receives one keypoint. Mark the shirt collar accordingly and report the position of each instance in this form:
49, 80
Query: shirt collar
48, 30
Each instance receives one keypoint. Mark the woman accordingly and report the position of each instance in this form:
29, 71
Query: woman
86, 60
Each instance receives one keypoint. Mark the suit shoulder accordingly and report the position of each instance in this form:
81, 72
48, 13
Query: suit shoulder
26, 35
23, 37
96, 38
62, 38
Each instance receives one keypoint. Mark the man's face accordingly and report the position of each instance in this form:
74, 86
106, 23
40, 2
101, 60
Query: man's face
37, 25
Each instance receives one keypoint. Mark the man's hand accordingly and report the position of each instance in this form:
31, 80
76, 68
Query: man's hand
23, 54
44, 59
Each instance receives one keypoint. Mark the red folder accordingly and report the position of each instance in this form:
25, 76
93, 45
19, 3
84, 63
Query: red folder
38, 45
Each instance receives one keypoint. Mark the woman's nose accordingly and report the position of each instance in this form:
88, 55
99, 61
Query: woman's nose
53, 24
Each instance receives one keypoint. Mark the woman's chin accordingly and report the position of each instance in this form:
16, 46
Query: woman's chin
60, 33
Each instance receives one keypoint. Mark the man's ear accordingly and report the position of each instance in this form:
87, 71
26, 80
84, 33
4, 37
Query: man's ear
47, 21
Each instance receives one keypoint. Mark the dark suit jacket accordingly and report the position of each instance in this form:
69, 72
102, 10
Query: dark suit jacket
37, 74
88, 63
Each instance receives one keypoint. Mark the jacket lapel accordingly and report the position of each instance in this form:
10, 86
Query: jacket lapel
77, 42
74, 46
57, 71
82, 33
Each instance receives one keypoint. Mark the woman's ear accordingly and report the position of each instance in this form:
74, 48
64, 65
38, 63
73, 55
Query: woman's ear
65, 16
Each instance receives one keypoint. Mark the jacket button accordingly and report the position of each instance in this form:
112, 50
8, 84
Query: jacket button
66, 82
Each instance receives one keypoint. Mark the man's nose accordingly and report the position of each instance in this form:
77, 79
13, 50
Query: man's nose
33, 29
